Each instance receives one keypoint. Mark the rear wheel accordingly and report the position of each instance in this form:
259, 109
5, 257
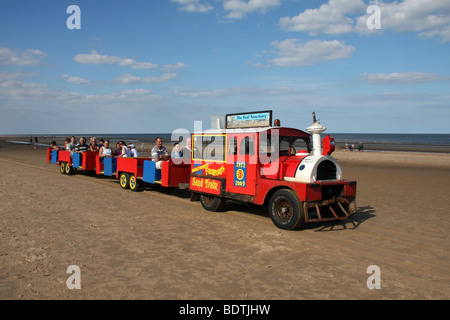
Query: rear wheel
135, 183
212, 203
124, 180
62, 167
69, 169
285, 210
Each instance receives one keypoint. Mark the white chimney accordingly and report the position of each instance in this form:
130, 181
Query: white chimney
316, 129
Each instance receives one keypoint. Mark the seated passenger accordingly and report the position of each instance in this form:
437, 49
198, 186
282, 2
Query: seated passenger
187, 152
105, 151
72, 144
82, 146
133, 151
66, 144
176, 153
93, 145
125, 151
159, 153
118, 150
54, 146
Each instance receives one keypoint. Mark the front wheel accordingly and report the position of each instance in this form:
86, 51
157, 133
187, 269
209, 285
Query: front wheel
212, 203
286, 210
124, 180
62, 167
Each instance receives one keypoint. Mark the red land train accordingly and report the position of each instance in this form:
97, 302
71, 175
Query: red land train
243, 157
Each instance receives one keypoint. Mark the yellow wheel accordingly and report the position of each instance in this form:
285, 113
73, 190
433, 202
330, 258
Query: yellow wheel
62, 167
124, 180
69, 169
135, 184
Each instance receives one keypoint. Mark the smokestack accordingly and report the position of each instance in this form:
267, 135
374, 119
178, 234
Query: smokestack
316, 129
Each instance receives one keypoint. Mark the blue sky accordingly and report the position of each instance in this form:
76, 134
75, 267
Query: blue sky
156, 66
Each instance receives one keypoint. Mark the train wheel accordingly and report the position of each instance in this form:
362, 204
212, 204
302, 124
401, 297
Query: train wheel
285, 210
212, 203
135, 184
124, 179
69, 169
62, 167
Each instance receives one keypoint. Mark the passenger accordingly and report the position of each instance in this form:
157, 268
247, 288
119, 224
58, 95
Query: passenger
93, 145
187, 151
159, 153
125, 151
82, 146
72, 143
54, 146
133, 151
105, 151
118, 151
101, 143
176, 153
66, 144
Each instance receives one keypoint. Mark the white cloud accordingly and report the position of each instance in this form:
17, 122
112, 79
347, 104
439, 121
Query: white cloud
29, 57
260, 65
16, 90
9, 76
131, 79
292, 52
404, 77
75, 80
232, 91
12, 89
428, 18
98, 59
239, 8
329, 18
135, 95
193, 5
143, 65
175, 66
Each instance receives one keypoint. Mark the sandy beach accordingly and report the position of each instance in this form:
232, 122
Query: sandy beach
157, 244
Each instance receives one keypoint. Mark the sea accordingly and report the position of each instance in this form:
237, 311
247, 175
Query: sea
371, 141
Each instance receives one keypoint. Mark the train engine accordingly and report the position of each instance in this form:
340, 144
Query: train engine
250, 160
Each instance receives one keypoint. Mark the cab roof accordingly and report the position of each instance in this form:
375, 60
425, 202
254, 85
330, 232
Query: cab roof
282, 131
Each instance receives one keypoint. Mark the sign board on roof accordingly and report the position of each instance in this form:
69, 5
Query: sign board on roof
249, 120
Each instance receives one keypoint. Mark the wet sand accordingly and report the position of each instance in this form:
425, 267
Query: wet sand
157, 244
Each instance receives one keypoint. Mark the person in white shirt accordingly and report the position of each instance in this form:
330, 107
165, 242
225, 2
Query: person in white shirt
105, 151
159, 153
125, 151
133, 151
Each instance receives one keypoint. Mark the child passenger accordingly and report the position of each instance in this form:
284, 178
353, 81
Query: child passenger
54, 146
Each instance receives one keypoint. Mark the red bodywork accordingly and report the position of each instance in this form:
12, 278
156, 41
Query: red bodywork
244, 174
171, 174
131, 165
